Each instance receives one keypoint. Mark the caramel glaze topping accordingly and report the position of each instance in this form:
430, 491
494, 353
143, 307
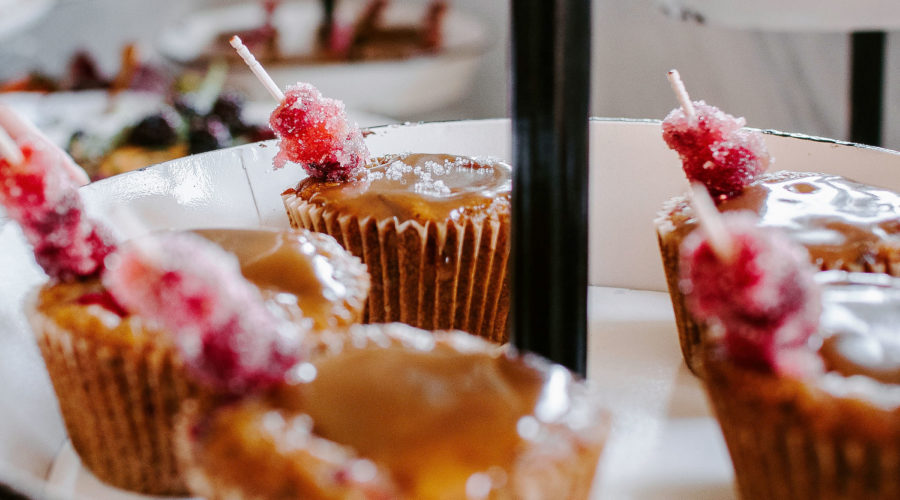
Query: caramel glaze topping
861, 328
428, 414
433, 418
311, 268
420, 187
843, 224
302, 268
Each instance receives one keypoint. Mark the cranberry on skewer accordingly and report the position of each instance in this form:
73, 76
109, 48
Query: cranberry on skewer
314, 130
756, 283
227, 335
714, 148
39, 189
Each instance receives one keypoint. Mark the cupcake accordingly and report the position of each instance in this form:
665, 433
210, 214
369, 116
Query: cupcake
843, 224
801, 368
390, 411
434, 232
119, 377
433, 229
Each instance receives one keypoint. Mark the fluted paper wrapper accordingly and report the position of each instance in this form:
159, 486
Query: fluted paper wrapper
119, 402
691, 331
437, 276
791, 440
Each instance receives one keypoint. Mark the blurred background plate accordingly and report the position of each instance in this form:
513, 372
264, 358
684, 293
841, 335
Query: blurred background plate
392, 87
16, 15
60, 114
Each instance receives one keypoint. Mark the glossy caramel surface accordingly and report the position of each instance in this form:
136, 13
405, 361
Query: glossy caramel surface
312, 268
432, 417
297, 269
842, 223
861, 326
420, 187
429, 414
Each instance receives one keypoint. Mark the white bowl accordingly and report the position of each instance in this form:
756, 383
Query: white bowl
391, 87
664, 442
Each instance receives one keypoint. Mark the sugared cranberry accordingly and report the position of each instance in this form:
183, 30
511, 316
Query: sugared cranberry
714, 148
315, 133
763, 295
226, 334
44, 200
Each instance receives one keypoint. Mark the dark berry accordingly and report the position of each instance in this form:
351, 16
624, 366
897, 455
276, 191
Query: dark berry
207, 134
185, 108
227, 109
155, 131
150, 79
83, 73
256, 133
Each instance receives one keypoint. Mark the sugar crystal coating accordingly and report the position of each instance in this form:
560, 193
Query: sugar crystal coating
714, 148
764, 297
43, 198
226, 334
314, 131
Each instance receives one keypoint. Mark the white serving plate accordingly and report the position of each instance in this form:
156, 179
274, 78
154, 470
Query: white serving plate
664, 443
392, 87
793, 15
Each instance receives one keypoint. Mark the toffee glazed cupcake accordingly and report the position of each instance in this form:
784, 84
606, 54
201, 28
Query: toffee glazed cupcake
433, 229
394, 412
434, 232
120, 377
809, 398
844, 225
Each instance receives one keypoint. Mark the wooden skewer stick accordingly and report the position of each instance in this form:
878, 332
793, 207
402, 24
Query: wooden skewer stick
711, 222
9, 149
681, 92
257, 68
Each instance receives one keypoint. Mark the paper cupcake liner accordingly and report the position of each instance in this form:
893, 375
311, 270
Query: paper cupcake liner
689, 332
789, 440
118, 402
436, 276
692, 332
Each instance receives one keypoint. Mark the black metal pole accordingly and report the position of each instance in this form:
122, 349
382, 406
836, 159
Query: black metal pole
866, 86
551, 90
